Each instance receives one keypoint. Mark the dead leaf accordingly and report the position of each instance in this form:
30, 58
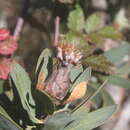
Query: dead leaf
78, 92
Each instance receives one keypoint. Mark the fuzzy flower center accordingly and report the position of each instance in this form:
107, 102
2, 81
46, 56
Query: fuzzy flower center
68, 54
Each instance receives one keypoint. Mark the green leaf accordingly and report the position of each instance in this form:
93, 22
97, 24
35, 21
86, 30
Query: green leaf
93, 23
95, 38
92, 120
116, 55
57, 121
110, 32
76, 19
23, 86
98, 63
6, 123
1, 86
86, 49
75, 38
85, 76
75, 71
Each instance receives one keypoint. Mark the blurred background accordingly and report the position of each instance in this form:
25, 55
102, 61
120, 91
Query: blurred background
38, 33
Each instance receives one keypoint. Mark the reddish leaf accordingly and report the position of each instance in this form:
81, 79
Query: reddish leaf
41, 79
5, 67
78, 92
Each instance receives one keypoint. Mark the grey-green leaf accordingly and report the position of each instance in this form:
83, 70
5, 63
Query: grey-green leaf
79, 113
116, 55
58, 121
93, 119
85, 76
97, 100
106, 98
75, 72
23, 86
119, 81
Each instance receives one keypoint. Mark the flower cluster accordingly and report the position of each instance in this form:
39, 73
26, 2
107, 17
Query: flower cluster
8, 45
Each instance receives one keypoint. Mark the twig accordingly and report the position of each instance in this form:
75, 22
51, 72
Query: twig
18, 28
56, 35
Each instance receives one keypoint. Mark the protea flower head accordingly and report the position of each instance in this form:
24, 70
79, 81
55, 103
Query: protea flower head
59, 84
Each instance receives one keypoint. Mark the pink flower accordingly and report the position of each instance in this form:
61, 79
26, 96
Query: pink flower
4, 34
8, 46
5, 66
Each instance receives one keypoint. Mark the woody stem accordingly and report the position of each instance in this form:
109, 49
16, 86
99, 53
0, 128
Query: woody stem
56, 35
18, 28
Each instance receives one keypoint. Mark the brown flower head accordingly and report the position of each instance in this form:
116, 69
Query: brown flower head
68, 54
